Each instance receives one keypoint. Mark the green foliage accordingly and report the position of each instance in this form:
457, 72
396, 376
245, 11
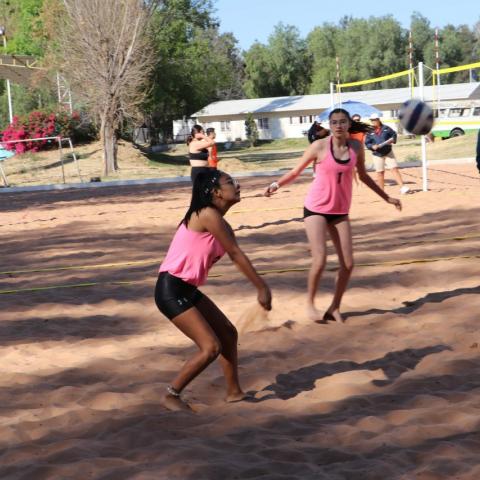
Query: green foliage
282, 67
25, 100
251, 130
24, 26
196, 64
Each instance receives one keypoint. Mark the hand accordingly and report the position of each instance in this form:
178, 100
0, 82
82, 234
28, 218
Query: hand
264, 297
272, 188
374, 147
396, 202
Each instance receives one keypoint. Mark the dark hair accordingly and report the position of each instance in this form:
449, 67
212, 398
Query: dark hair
195, 129
202, 192
355, 127
210, 130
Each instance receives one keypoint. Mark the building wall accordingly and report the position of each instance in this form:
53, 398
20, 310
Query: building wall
281, 125
271, 126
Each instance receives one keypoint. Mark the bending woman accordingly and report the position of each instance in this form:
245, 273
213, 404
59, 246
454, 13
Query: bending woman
198, 145
201, 240
328, 203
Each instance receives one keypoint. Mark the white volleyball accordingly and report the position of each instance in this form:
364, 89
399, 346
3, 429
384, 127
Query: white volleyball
416, 117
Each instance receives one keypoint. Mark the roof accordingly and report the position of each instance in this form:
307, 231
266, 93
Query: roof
319, 102
18, 68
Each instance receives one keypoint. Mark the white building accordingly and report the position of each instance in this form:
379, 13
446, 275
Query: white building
290, 117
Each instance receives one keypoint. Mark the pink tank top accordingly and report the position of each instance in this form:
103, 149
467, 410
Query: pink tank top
191, 255
331, 190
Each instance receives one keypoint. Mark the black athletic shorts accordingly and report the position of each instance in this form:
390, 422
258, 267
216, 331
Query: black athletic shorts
173, 296
329, 217
196, 170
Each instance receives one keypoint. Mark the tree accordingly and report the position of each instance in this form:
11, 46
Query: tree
282, 67
251, 130
107, 59
195, 64
422, 39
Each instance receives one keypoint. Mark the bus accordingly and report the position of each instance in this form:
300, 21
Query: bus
456, 120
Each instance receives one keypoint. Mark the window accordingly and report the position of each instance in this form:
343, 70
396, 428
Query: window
225, 126
263, 123
455, 112
476, 111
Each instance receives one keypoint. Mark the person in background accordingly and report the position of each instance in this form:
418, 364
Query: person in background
212, 151
380, 142
198, 143
317, 132
360, 136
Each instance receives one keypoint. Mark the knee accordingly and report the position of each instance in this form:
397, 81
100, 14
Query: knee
348, 265
211, 351
318, 262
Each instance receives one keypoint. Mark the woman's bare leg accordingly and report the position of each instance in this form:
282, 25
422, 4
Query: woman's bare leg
227, 334
341, 235
194, 326
316, 227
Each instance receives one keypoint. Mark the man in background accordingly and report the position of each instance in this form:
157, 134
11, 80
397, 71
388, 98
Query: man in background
380, 142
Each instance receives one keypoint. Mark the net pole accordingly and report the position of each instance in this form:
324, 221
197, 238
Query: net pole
424, 140
437, 65
61, 157
69, 140
332, 97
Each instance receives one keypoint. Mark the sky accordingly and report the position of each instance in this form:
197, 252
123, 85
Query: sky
251, 20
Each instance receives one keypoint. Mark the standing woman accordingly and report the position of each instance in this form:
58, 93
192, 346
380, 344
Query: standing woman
328, 203
201, 239
198, 145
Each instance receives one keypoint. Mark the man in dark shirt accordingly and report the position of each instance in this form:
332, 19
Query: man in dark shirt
380, 142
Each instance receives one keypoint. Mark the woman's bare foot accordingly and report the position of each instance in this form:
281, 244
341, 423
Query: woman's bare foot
333, 315
176, 404
236, 396
314, 314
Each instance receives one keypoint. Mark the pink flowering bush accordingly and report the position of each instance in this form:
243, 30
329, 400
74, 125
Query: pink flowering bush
39, 124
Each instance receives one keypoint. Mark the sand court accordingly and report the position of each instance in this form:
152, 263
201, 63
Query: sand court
394, 393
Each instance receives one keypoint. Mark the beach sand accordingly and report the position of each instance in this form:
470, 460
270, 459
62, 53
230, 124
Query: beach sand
394, 393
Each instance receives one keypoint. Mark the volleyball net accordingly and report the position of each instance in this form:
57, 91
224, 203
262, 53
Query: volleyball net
60, 143
424, 83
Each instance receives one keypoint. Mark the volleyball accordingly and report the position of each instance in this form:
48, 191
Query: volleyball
416, 117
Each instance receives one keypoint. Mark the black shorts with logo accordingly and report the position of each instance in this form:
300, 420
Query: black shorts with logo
173, 296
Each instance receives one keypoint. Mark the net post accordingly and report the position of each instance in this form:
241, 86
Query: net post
59, 140
69, 140
424, 140
332, 99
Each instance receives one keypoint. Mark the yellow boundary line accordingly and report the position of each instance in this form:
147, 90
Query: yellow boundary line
260, 272
153, 262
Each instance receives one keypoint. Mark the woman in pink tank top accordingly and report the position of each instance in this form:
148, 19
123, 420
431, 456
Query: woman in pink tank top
201, 239
328, 203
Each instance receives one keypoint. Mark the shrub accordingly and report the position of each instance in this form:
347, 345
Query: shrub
38, 124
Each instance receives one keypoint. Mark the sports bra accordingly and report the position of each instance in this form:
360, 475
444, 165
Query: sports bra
201, 155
